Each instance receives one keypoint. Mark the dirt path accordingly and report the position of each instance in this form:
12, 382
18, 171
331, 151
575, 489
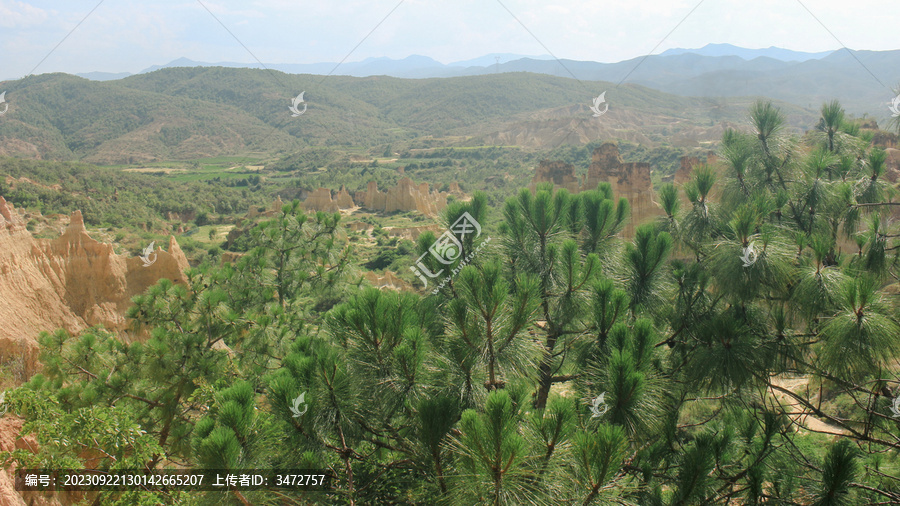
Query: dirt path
799, 386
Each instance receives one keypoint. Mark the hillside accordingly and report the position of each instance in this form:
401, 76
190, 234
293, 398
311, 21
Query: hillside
728, 337
185, 113
863, 80
65, 117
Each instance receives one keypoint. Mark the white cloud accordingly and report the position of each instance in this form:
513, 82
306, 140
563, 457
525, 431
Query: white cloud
14, 14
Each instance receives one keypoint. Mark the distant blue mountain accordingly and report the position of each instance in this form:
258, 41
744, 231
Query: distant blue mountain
711, 57
104, 76
773, 52
715, 70
495, 58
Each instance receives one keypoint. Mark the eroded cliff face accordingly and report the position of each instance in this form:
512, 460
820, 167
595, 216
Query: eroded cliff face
321, 200
71, 282
387, 280
892, 173
274, 209
628, 179
684, 173
406, 196
561, 174
11, 439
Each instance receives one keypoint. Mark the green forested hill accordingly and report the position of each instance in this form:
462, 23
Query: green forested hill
66, 117
182, 113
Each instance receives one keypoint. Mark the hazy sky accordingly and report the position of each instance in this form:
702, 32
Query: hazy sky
129, 35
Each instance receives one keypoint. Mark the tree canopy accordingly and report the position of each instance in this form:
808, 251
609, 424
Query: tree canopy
742, 348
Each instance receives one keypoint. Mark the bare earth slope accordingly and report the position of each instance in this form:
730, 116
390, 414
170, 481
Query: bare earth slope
71, 282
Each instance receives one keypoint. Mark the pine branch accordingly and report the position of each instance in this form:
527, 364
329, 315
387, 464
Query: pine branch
895, 498
155, 404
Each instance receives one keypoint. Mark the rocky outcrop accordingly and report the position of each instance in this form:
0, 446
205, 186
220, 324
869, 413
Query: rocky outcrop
343, 199
71, 282
275, 208
406, 196
884, 139
628, 179
387, 280
11, 439
230, 257
322, 200
892, 165
357, 226
561, 174
683, 174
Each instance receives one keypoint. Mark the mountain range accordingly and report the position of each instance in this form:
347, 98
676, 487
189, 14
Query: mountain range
414, 66
773, 52
417, 66
188, 110
862, 80
183, 113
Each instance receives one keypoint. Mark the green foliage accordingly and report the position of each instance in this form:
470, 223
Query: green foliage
863, 332
493, 454
732, 352
644, 260
599, 457
112, 197
234, 434
839, 471
490, 320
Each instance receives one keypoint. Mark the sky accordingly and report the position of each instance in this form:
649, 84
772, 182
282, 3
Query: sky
44, 36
